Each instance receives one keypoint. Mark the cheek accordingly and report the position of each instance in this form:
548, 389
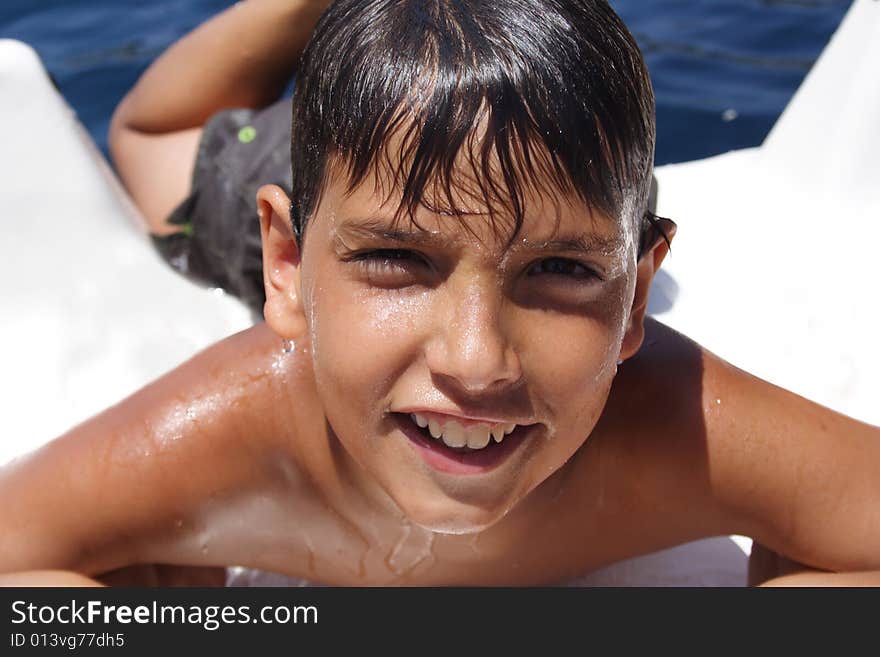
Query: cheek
573, 358
574, 363
362, 340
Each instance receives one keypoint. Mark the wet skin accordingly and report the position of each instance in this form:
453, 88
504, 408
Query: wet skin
441, 317
254, 481
292, 459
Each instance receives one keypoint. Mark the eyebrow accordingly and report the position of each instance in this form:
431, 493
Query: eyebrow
587, 244
377, 229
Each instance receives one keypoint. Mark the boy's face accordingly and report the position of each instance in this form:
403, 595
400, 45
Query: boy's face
443, 323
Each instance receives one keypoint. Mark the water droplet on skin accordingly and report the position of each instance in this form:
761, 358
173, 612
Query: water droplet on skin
414, 547
558, 494
287, 346
312, 569
394, 558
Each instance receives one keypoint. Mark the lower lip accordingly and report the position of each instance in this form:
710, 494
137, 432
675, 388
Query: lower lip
443, 458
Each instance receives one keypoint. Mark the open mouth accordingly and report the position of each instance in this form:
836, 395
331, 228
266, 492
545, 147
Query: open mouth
459, 450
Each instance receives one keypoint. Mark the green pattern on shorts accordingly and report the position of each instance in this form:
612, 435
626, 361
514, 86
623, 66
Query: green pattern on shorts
247, 134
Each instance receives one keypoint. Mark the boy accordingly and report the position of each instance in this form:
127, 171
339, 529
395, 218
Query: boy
456, 358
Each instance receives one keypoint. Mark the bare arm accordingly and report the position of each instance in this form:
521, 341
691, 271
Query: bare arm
130, 485
716, 451
242, 57
797, 477
767, 568
818, 579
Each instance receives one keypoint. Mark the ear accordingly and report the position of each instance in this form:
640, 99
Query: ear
281, 264
647, 267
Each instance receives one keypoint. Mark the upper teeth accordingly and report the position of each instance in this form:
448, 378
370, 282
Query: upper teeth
454, 434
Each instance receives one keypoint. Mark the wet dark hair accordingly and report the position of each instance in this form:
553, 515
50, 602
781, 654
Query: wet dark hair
528, 91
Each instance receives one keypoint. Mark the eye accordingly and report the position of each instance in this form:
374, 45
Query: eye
389, 267
562, 267
387, 258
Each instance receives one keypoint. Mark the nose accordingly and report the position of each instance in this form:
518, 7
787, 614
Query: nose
470, 346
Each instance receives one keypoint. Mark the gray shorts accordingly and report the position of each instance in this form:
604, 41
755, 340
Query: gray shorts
240, 150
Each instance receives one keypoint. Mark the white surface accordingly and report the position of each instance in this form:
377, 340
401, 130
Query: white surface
774, 265
717, 561
771, 269
90, 312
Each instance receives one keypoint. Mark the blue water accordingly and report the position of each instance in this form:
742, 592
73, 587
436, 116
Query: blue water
723, 70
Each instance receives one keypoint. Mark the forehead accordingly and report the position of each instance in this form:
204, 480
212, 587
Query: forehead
461, 213
491, 176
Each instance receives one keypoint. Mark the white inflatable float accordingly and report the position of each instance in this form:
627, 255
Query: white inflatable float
773, 269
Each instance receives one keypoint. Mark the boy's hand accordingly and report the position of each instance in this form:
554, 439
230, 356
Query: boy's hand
765, 564
768, 568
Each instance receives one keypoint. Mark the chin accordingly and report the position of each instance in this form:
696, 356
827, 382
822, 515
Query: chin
452, 517
452, 527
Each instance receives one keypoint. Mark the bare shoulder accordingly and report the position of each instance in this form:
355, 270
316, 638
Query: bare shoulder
646, 464
700, 447
137, 482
